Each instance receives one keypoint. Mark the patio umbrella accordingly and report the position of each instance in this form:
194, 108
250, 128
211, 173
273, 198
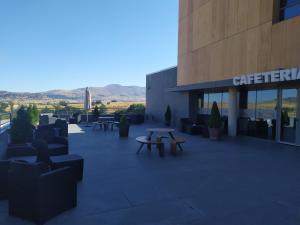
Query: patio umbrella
87, 103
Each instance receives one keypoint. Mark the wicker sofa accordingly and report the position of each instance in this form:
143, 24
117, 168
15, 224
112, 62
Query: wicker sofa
38, 194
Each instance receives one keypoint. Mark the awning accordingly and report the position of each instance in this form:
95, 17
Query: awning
200, 86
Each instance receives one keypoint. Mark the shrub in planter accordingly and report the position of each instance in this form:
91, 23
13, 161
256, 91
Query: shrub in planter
215, 123
136, 109
168, 116
21, 130
96, 113
124, 127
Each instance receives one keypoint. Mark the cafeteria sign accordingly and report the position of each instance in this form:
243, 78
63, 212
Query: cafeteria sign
268, 77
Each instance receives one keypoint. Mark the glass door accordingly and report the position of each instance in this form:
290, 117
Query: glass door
289, 114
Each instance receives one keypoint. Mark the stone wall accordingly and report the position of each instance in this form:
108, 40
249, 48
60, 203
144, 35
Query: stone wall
158, 97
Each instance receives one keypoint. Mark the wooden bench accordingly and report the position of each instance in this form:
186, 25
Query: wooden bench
144, 140
177, 141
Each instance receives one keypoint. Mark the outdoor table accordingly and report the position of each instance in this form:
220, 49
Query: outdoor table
161, 130
106, 118
106, 121
175, 141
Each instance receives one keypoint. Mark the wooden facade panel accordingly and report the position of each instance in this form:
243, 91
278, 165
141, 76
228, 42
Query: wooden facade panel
185, 8
234, 55
225, 38
198, 3
231, 17
202, 26
252, 46
185, 36
242, 19
218, 20
181, 38
201, 63
239, 54
216, 61
266, 11
264, 48
184, 69
293, 42
279, 46
254, 13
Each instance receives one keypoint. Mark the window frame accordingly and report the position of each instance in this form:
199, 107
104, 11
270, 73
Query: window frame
279, 9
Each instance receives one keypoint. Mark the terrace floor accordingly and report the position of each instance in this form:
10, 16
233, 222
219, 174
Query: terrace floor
237, 181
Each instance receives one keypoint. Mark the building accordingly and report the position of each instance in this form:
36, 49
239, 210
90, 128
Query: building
244, 55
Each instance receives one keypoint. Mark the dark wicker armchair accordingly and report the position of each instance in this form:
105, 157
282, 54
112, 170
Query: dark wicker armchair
4, 166
57, 145
37, 194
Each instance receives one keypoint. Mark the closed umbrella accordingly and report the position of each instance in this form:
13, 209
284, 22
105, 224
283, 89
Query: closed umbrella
87, 103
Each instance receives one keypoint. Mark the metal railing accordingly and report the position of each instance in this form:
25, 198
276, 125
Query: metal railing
5, 121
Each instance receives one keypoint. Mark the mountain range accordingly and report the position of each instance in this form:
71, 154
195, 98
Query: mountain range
113, 92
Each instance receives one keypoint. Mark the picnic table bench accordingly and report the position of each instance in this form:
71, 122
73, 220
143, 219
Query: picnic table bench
145, 140
175, 141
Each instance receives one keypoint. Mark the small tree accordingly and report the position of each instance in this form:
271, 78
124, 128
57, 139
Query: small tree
21, 130
136, 108
123, 121
168, 116
285, 119
11, 106
124, 126
3, 106
102, 109
63, 103
35, 115
215, 117
96, 112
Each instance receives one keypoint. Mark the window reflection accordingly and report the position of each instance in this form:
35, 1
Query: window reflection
224, 108
206, 101
251, 104
259, 119
215, 97
289, 9
288, 115
266, 104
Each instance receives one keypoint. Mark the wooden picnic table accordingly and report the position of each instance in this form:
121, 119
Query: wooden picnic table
161, 130
176, 141
106, 121
106, 118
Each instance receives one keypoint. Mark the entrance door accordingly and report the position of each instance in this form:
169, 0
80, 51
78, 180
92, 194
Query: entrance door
289, 114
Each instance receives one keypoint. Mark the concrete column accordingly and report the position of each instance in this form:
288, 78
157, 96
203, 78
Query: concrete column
232, 112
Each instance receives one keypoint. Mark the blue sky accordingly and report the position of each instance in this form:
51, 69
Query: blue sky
66, 44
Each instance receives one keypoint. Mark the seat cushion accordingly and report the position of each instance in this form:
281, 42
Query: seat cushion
57, 149
25, 172
76, 162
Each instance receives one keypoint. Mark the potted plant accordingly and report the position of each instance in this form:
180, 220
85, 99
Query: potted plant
168, 116
96, 113
215, 123
124, 126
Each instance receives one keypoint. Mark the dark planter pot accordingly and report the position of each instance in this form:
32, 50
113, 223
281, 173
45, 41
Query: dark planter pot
124, 130
214, 133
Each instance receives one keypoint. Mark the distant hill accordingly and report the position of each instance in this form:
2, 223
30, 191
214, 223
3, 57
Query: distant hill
108, 93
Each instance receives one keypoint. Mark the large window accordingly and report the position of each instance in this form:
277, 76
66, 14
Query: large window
289, 9
258, 118
266, 104
207, 99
